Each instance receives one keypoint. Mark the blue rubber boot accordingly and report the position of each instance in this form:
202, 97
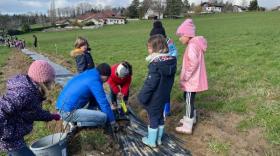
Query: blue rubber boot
166, 111
152, 137
160, 134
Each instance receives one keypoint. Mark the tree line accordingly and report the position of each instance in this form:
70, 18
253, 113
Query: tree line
137, 9
174, 8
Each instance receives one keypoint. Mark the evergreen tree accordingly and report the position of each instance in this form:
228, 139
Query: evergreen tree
253, 5
186, 6
133, 9
173, 7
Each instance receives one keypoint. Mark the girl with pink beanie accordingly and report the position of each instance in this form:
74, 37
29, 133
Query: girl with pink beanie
193, 77
21, 105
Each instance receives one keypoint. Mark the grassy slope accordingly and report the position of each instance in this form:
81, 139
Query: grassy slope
4, 55
242, 61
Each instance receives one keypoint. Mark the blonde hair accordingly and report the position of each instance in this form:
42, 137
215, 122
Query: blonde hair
158, 44
80, 41
44, 88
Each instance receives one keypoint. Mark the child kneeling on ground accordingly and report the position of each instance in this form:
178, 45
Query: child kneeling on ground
21, 105
119, 82
157, 87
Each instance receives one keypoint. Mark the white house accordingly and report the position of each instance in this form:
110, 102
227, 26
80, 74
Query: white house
101, 18
115, 20
211, 8
64, 22
92, 20
150, 14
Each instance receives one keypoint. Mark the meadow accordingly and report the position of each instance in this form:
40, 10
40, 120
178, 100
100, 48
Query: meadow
242, 62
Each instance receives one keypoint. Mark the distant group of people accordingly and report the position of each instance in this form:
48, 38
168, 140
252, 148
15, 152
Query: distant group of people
12, 42
83, 101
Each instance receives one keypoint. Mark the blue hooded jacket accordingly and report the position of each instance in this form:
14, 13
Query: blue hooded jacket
80, 89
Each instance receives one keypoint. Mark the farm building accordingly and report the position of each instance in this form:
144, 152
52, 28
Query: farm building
90, 19
101, 18
63, 23
211, 7
115, 20
151, 14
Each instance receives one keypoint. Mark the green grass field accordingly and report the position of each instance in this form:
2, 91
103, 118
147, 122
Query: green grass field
242, 61
4, 55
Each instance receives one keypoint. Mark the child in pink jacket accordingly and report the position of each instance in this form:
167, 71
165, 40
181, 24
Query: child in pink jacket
193, 77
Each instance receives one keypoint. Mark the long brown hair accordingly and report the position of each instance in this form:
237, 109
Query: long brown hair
158, 44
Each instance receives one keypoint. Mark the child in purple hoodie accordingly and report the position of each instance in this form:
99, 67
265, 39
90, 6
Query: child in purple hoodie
21, 105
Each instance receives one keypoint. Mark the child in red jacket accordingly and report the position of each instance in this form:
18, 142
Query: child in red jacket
119, 82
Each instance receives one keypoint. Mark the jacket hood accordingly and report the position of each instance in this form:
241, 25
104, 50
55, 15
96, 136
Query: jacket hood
200, 43
166, 64
20, 81
76, 52
157, 24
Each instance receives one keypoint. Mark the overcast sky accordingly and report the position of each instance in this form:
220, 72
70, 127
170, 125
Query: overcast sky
41, 6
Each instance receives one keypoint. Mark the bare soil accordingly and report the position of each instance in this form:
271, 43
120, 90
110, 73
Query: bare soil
220, 128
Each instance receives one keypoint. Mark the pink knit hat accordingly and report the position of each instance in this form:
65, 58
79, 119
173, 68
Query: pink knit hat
187, 28
41, 71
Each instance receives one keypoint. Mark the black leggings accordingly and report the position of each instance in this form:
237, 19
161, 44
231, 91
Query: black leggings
189, 97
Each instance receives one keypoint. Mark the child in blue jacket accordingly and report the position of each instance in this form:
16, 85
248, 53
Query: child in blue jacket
157, 87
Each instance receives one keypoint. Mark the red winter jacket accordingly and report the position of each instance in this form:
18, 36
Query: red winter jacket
119, 84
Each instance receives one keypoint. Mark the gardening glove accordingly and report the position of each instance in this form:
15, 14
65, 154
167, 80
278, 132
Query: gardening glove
115, 126
56, 117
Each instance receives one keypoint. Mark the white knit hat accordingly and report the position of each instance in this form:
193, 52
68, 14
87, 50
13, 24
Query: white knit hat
122, 71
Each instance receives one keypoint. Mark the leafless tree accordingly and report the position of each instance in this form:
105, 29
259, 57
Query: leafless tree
52, 12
